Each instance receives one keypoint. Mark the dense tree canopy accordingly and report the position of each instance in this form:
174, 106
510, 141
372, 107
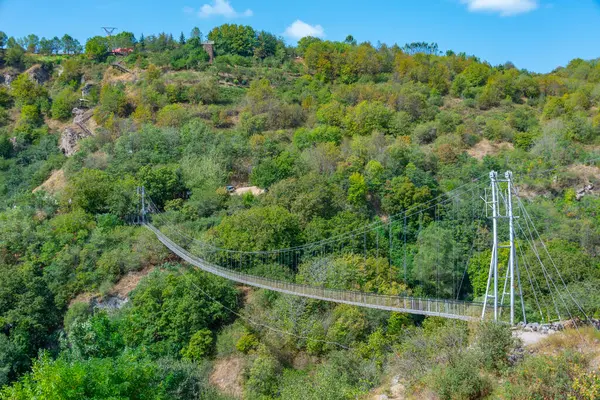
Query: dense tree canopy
367, 162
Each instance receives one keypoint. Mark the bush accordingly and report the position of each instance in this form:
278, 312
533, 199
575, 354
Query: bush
543, 377
206, 91
63, 104
247, 342
262, 377
31, 118
78, 312
113, 102
460, 380
425, 133
200, 345
494, 341
172, 115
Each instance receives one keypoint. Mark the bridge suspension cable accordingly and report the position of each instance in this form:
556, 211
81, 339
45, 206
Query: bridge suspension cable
397, 238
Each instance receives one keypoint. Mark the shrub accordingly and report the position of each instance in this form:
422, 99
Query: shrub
63, 104
543, 377
172, 115
494, 342
262, 376
206, 91
200, 345
77, 312
247, 342
460, 380
425, 133
112, 102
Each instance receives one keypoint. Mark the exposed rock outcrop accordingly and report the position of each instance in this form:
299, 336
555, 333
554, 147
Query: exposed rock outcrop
69, 139
74, 133
38, 74
7, 77
85, 90
587, 189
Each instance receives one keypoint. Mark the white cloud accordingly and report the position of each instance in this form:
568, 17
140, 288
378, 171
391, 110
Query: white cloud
299, 29
504, 7
219, 8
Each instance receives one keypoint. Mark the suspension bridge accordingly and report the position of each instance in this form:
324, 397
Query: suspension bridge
422, 277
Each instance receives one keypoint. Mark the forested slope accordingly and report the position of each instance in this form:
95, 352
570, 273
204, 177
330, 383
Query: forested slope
339, 134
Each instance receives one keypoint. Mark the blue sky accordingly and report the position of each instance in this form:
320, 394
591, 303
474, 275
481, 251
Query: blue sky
539, 35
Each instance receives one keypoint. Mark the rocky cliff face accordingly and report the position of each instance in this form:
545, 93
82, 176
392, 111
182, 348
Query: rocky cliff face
38, 74
69, 139
7, 77
74, 133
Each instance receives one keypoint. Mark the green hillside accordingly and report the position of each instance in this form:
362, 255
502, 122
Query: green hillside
334, 135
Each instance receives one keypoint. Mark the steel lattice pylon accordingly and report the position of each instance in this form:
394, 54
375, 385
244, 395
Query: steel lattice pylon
502, 210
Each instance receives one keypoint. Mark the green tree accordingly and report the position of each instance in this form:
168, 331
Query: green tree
402, 194
168, 309
123, 40
349, 325
113, 102
270, 171
14, 55
200, 345
27, 92
31, 117
28, 307
172, 115
304, 43
367, 117
96, 337
162, 182
70, 45
63, 104
196, 33
259, 228
262, 377
266, 45
90, 190
31, 43
233, 39
357, 190
97, 48
127, 377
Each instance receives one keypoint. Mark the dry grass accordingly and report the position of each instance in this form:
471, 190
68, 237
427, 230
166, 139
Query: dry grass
585, 340
55, 125
54, 184
129, 282
586, 174
227, 376
113, 75
487, 148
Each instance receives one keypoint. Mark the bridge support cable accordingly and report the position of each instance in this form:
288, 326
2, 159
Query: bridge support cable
545, 272
530, 220
529, 274
476, 219
443, 213
430, 307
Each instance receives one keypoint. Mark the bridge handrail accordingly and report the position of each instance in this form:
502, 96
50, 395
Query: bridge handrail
456, 309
